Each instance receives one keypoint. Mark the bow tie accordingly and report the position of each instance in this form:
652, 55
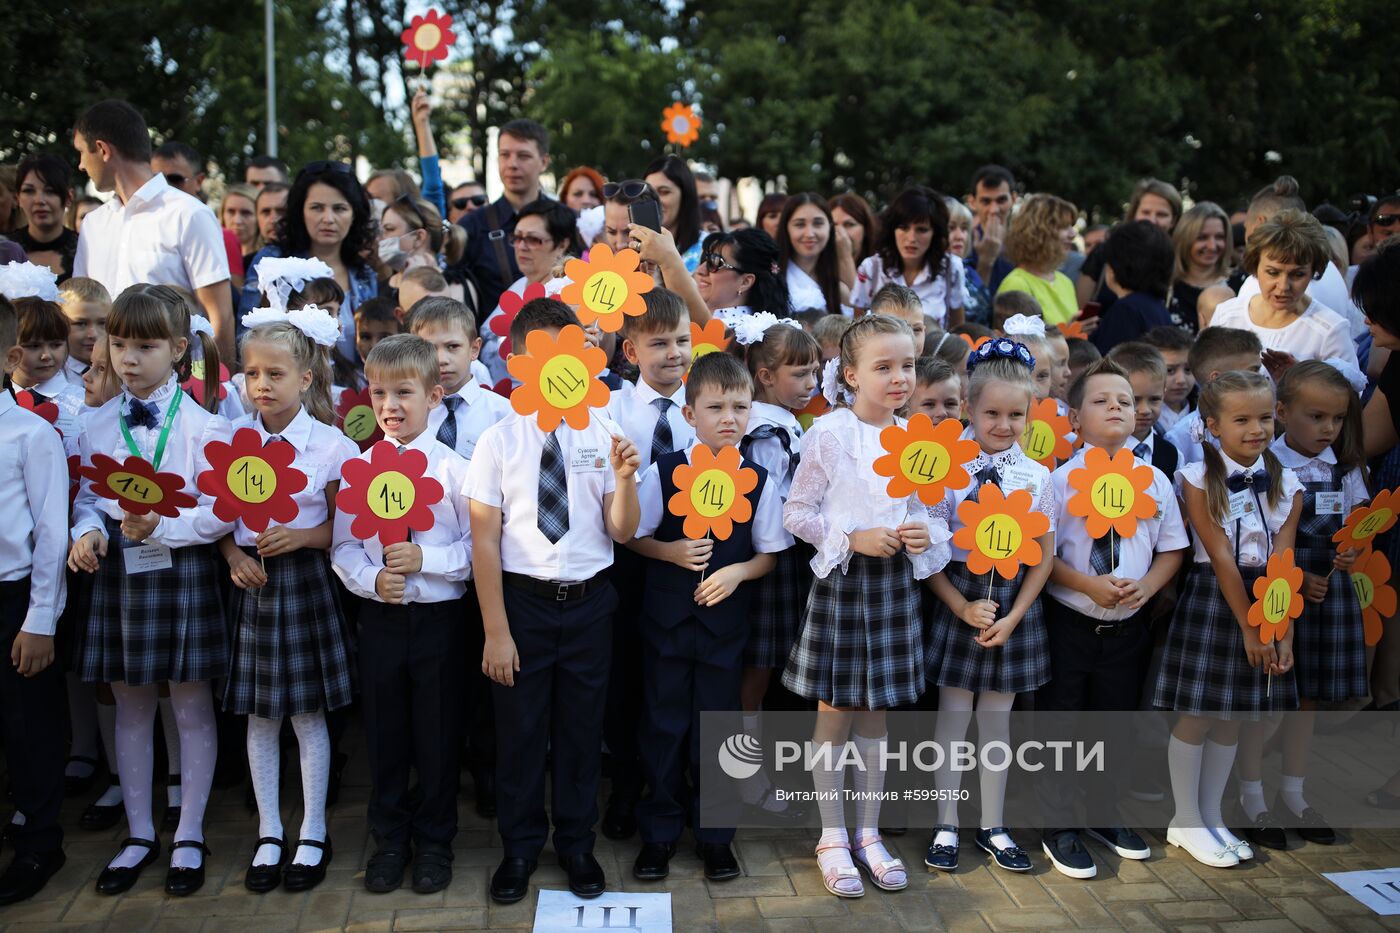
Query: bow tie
141, 414
1258, 481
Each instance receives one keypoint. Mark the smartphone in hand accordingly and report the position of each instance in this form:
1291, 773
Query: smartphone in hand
645, 214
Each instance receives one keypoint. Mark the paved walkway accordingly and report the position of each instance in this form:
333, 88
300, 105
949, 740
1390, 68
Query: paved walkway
780, 890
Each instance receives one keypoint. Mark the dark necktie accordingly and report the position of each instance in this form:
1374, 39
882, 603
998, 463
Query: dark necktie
553, 509
36, 398
141, 415
274, 438
1142, 451
1101, 554
447, 431
661, 438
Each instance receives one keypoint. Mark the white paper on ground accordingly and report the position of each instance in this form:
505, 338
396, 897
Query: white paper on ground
560, 911
1378, 890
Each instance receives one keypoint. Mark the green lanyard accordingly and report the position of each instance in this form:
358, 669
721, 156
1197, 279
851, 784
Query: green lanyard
164, 431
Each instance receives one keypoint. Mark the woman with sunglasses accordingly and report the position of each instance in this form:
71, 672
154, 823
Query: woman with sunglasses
412, 234
327, 218
740, 271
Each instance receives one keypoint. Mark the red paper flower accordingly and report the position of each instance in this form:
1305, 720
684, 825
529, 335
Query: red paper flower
137, 487
511, 303
252, 483
388, 493
504, 388
46, 410
195, 384
427, 37
74, 478
355, 415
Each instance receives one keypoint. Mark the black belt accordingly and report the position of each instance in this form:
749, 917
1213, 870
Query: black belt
1097, 626
545, 589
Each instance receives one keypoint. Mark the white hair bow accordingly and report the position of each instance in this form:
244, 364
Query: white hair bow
200, 325
1024, 325
317, 324
832, 390
750, 328
27, 280
279, 276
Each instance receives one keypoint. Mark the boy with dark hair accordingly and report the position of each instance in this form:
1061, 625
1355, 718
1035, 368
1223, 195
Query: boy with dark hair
1147, 374
1175, 346
695, 623
375, 320
1138, 262
1217, 350
546, 509
1082, 355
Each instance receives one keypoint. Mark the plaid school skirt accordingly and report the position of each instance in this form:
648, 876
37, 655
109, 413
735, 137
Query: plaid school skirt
956, 660
163, 625
1204, 668
1329, 644
861, 644
775, 616
292, 651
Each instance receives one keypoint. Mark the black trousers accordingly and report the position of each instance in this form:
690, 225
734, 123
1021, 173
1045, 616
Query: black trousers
620, 728
1093, 673
34, 731
556, 705
478, 714
687, 669
410, 688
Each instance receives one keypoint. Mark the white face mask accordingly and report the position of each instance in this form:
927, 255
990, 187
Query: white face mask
391, 252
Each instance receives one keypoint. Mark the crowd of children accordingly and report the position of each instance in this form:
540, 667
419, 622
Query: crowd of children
553, 558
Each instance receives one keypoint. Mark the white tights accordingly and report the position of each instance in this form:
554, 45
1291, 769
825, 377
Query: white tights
265, 763
955, 708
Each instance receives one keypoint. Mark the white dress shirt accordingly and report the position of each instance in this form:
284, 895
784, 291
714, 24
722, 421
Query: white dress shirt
505, 474
633, 411
938, 293
1182, 436
836, 491
1254, 540
33, 512
1317, 334
480, 408
769, 535
1319, 470
1133, 556
160, 235
321, 450
803, 291
73, 370
192, 429
1017, 471
68, 398
447, 546
1333, 290
768, 452
1169, 419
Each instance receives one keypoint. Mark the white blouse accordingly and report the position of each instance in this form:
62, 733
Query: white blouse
1319, 470
947, 289
768, 452
1016, 470
1255, 542
836, 491
1317, 334
803, 291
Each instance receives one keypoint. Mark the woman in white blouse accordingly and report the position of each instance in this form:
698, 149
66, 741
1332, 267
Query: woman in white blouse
1287, 252
913, 251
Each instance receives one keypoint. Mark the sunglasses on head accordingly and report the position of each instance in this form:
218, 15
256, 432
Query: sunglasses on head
323, 166
461, 203
631, 189
1386, 220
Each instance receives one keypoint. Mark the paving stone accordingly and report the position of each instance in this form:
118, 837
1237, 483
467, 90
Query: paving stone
1015, 920
439, 919
825, 905
1173, 911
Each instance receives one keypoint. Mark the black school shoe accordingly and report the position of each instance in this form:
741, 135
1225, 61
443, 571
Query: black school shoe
384, 873
720, 863
942, 858
263, 878
27, 874
586, 877
654, 861
97, 818
119, 880
511, 882
432, 871
620, 818
74, 786
1312, 827
182, 882
301, 877
1012, 858
1264, 830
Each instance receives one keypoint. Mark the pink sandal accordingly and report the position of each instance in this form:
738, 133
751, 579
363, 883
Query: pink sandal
840, 880
878, 871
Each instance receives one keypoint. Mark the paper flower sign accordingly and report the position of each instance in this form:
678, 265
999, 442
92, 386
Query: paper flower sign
1278, 597
1046, 436
1073, 329
1371, 580
427, 37
711, 492
558, 378
999, 532
817, 406
356, 417
972, 342
681, 124
1367, 521
46, 410
388, 493
511, 303
137, 487
195, 384
925, 460
1111, 493
606, 286
250, 482
708, 339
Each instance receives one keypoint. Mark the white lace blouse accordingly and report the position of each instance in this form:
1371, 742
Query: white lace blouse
836, 491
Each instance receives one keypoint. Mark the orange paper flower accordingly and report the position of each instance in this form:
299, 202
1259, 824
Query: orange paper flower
1046, 437
705, 340
251, 482
681, 124
711, 492
1371, 579
606, 286
427, 37
1000, 531
137, 487
1277, 597
1073, 329
1112, 493
1367, 521
558, 378
816, 406
388, 494
925, 459
974, 344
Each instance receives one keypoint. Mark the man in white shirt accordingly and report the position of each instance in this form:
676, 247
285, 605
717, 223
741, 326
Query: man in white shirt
150, 232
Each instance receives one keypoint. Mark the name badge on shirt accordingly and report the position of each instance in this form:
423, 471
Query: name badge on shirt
587, 460
1241, 504
1328, 503
143, 558
1021, 478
